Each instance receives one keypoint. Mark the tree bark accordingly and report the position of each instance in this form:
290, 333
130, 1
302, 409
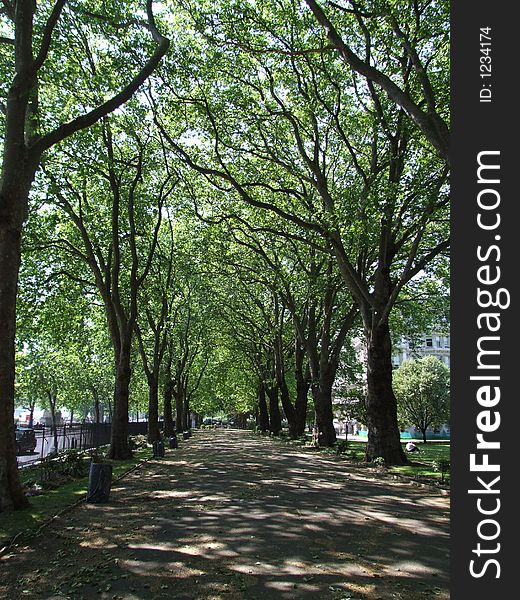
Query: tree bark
119, 447
383, 430
14, 191
322, 396
287, 405
31, 414
275, 418
179, 409
11, 492
288, 408
169, 428
303, 384
154, 433
52, 405
186, 424
97, 411
263, 415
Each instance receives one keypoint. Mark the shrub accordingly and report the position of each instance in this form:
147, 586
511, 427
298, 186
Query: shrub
97, 455
73, 464
138, 441
341, 447
67, 465
442, 465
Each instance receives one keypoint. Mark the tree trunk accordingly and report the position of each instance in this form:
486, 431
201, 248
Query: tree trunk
303, 384
288, 408
169, 428
52, 403
154, 433
97, 412
186, 424
275, 419
287, 405
179, 409
31, 415
263, 415
119, 447
424, 435
242, 420
322, 396
300, 406
383, 431
11, 492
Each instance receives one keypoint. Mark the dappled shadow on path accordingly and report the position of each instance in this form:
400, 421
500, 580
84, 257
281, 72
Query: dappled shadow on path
233, 515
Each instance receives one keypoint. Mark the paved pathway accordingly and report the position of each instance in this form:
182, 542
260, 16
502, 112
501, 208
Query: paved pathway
231, 515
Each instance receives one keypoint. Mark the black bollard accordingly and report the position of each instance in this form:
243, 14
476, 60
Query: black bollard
173, 442
99, 482
185, 435
158, 449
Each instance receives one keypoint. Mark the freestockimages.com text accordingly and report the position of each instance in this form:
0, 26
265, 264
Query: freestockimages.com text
492, 300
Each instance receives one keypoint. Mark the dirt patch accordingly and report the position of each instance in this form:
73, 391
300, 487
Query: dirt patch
230, 515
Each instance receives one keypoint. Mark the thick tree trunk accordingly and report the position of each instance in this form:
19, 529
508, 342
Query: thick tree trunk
119, 447
11, 492
263, 415
169, 428
383, 431
275, 418
303, 384
322, 396
424, 435
288, 408
154, 433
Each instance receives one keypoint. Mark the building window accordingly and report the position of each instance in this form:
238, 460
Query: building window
429, 342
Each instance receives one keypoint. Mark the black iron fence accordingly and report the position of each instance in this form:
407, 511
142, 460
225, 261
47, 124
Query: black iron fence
79, 436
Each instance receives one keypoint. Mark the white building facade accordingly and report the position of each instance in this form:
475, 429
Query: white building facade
433, 344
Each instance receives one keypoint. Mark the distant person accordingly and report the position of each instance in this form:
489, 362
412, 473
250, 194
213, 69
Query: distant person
411, 447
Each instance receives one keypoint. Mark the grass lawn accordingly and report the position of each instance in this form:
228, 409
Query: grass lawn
420, 466
422, 463
52, 501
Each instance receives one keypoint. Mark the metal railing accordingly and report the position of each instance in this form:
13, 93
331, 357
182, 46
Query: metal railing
78, 436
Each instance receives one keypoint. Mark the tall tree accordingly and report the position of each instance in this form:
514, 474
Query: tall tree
28, 133
422, 388
156, 307
116, 211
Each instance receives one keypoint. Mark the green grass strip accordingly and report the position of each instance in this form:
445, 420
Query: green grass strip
52, 503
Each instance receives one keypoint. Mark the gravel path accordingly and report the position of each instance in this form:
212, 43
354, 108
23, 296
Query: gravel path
232, 515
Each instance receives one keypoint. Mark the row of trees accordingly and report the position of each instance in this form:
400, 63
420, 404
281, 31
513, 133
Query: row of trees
274, 189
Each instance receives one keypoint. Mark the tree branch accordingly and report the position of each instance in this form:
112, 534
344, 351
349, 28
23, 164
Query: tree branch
430, 124
84, 121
